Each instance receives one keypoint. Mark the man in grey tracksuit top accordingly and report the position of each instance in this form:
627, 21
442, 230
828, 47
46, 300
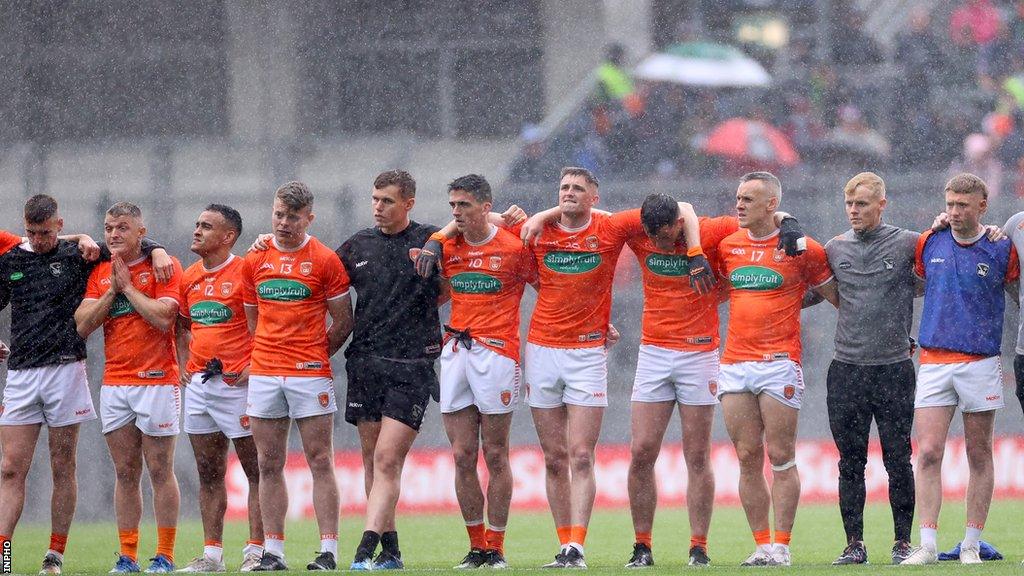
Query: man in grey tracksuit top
1015, 229
872, 375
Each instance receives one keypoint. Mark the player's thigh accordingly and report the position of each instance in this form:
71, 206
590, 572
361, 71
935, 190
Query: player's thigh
552, 432
495, 430
978, 429
463, 430
317, 434
63, 445
648, 422
211, 453
271, 437
584, 426
742, 415
159, 453
125, 445
979, 385
931, 426
780, 422
18, 444
696, 422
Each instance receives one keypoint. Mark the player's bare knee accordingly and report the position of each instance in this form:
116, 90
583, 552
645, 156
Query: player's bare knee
750, 455
14, 469
979, 455
496, 457
128, 475
211, 473
581, 460
929, 455
466, 457
643, 456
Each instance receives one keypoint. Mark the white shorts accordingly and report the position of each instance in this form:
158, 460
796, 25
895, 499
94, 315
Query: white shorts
664, 375
56, 395
479, 376
215, 407
783, 380
290, 396
974, 386
153, 407
559, 376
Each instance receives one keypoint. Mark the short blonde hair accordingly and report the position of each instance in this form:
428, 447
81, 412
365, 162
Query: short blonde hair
869, 180
966, 183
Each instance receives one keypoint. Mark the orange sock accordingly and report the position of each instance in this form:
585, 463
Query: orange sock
643, 538
58, 542
165, 542
782, 537
578, 535
129, 543
564, 534
254, 543
477, 536
762, 537
496, 540
699, 541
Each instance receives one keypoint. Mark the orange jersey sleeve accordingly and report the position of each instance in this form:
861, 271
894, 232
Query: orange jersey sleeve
291, 290
766, 295
212, 300
575, 269
136, 352
8, 241
1013, 268
919, 253
487, 282
675, 316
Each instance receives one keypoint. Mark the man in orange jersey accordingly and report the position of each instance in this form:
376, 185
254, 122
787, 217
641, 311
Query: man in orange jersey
486, 268
139, 400
214, 345
760, 381
566, 372
291, 289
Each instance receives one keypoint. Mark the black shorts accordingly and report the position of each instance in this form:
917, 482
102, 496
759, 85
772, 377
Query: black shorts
380, 387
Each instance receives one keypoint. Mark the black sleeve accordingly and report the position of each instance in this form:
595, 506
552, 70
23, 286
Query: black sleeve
147, 248
5, 294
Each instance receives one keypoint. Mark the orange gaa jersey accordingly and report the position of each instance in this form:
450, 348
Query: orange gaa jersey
575, 268
766, 290
487, 282
675, 316
212, 300
8, 241
291, 290
136, 352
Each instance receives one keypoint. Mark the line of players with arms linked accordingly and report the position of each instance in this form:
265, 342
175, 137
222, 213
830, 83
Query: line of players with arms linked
247, 341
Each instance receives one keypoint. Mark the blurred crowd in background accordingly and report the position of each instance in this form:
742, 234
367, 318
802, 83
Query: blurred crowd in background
946, 94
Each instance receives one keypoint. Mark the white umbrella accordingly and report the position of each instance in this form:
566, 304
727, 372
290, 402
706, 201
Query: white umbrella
703, 64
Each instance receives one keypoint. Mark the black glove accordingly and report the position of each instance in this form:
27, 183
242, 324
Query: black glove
214, 367
791, 237
702, 277
461, 336
430, 255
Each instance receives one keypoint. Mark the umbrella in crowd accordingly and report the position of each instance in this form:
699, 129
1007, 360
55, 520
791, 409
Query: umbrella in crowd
703, 64
750, 141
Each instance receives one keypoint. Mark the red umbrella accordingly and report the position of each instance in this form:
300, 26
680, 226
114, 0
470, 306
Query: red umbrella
751, 141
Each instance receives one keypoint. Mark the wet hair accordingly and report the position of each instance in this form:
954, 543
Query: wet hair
231, 216
869, 180
124, 208
577, 171
295, 195
401, 178
657, 211
474, 184
771, 183
966, 183
40, 208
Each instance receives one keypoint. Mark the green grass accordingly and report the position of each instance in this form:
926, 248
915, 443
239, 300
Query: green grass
438, 542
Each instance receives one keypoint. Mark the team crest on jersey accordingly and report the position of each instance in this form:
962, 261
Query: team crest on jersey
267, 266
982, 269
789, 391
243, 421
323, 399
591, 242
144, 278
506, 397
889, 263
306, 268
225, 288
778, 255
494, 262
56, 268
713, 387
